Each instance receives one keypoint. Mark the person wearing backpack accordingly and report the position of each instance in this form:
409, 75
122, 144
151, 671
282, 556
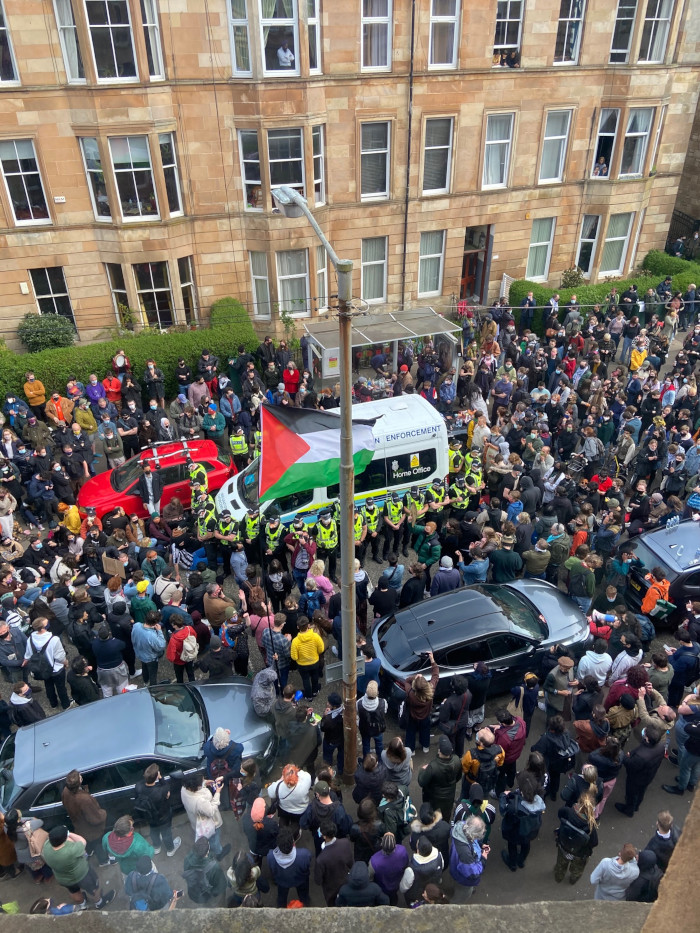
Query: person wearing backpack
147, 889
454, 713
45, 659
438, 779
182, 649
312, 598
396, 810
152, 803
559, 751
203, 875
521, 812
577, 837
223, 757
371, 717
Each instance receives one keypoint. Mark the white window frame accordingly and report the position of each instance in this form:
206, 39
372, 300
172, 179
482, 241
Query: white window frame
563, 141
31, 222
657, 17
151, 35
112, 79
244, 162
635, 244
322, 298
379, 195
318, 150
599, 135
625, 241
499, 47
313, 25
135, 218
626, 14
438, 21
172, 168
507, 141
429, 148
365, 264
5, 31
290, 131
306, 312
538, 245
69, 29
119, 295
643, 135
238, 25
592, 240
264, 312
154, 290
657, 136
51, 294
424, 258
275, 23
89, 172
571, 19
185, 271
369, 21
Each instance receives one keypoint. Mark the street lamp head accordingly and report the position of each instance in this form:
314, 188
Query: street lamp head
289, 201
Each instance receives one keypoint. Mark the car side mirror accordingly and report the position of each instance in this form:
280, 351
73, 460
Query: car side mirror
177, 775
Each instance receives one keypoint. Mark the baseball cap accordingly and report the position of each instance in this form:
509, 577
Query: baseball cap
182, 397
322, 788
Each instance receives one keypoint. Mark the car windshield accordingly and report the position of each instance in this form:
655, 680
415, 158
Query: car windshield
650, 559
248, 485
8, 788
180, 729
123, 476
515, 608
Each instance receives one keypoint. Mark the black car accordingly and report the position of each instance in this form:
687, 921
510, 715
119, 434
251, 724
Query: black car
506, 626
111, 742
677, 551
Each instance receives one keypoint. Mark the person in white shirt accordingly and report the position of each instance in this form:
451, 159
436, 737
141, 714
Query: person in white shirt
285, 56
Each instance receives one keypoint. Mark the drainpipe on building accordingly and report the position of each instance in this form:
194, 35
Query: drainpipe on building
408, 155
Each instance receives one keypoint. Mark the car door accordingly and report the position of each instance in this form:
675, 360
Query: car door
458, 659
175, 478
102, 784
510, 657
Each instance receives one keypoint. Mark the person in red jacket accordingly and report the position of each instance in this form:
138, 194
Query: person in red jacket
510, 734
291, 377
113, 388
174, 651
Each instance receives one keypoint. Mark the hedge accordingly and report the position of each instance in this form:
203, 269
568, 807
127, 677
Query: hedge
660, 263
231, 326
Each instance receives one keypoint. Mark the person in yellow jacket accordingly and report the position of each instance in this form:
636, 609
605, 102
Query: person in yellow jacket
70, 517
307, 650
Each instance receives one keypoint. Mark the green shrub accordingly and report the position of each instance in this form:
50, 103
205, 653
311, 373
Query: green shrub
227, 312
660, 263
45, 331
55, 367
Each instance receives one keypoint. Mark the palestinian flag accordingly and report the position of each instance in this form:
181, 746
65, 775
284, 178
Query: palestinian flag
301, 449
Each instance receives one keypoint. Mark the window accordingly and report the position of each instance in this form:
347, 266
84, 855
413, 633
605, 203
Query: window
374, 269
657, 25
117, 288
499, 131
155, 294
8, 71
109, 25
509, 24
540, 250
505, 644
607, 131
321, 278
51, 293
587, 243
133, 172
70, 45
634, 146
168, 158
317, 134
444, 33
250, 168
23, 181
569, 32
151, 35
293, 282
185, 269
374, 160
261, 285
240, 46
430, 263
615, 245
376, 35
622, 35
635, 244
657, 136
437, 157
313, 22
285, 151
280, 36
556, 135
96, 178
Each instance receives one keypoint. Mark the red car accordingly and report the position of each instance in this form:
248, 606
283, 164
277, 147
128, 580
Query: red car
107, 490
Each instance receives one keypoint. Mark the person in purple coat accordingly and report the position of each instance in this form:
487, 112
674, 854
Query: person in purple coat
388, 865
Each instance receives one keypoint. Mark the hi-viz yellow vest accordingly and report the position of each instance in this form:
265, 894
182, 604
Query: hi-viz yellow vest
202, 522
357, 528
456, 460
395, 511
328, 536
252, 527
272, 538
239, 445
459, 496
408, 501
476, 477
372, 519
437, 503
199, 475
229, 528
257, 442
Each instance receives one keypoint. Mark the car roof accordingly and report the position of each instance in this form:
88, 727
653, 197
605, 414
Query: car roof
667, 543
176, 451
421, 622
87, 737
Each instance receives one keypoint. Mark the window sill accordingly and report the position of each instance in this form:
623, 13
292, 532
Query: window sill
47, 222
550, 181
373, 198
494, 187
564, 64
434, 193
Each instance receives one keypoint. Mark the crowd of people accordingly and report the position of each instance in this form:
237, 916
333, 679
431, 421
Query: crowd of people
565, 448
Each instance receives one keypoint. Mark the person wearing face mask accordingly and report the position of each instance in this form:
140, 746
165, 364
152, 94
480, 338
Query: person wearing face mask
75, 468
16, 412
155, 414
36, 433
150, 489
8, 504
59, 410
61, 484
155, 382
94, 391
128, 429
24, 708
35, 393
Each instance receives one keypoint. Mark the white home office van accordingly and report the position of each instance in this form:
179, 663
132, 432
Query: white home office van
411, 450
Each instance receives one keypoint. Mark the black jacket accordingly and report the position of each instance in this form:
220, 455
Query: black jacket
412, 592
153, 802
360, 891
643, 762
369, 783
84, 690
142, 488
454, 712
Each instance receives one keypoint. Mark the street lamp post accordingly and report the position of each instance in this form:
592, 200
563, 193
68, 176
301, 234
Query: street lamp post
292, 204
